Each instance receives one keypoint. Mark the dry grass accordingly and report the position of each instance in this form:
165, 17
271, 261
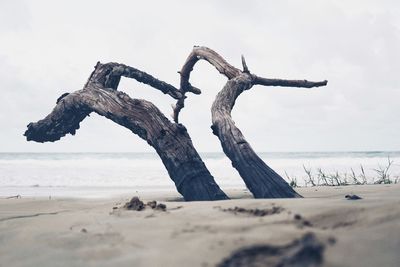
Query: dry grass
321, 178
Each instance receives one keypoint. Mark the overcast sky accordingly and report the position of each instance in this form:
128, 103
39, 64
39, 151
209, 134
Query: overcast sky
50, 47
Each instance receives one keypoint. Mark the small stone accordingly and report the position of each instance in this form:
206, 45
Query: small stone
161, 206
152, 204
297, 217
134, 204
353, 197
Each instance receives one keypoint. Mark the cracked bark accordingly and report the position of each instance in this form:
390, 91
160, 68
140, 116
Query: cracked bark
170, 140
261, 180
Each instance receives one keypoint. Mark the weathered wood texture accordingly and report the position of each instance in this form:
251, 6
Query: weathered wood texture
170, 140
261, 180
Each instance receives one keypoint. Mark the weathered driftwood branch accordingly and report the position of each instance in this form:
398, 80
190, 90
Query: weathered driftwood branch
170, 140
286, 83
261, 180
244, 64
110, 74
200, 53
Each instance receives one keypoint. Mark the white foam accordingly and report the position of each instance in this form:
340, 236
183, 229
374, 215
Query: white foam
141, 170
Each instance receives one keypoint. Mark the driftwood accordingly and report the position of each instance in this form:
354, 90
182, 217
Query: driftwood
261, 180
170, 140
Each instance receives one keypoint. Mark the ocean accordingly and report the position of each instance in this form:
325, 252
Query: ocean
109, 174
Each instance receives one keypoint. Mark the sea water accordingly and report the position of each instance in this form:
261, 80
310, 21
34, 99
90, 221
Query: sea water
107, 174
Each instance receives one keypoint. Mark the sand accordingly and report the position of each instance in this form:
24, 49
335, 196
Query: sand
324, 227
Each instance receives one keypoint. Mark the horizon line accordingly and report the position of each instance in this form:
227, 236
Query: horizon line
151, 152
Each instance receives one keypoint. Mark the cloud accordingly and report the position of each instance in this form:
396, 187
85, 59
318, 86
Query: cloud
14, 15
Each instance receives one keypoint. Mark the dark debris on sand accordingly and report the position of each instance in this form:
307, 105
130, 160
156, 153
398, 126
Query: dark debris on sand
301, 222
352, 197
304, 252
255, 212
136, 204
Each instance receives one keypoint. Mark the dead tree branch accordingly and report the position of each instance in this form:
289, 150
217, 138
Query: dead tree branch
197, 54
261, 180
170, 140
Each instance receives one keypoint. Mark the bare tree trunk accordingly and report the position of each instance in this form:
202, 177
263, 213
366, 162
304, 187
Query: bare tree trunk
261, 180
170, 140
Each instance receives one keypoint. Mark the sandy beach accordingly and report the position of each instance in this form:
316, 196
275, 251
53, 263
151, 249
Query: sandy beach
335, 231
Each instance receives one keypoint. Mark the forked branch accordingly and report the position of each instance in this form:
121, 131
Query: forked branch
170, 140
226, 69
197, 54
109, 75
261, 180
